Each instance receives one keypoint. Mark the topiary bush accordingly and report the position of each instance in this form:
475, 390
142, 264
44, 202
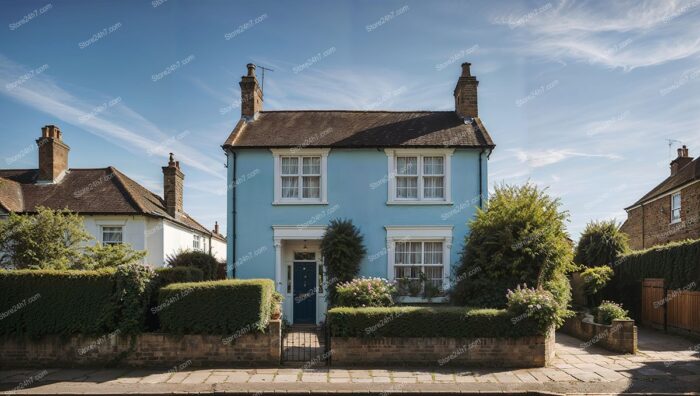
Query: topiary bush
195, 258
429, 322
366, 292
600, 244
538, 305
166, 275
215, 307
42, 302
609, 311
343, 249
519, 238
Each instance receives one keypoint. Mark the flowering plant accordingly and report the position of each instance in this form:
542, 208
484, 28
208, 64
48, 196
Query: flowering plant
608, 311
366, 292
537, 304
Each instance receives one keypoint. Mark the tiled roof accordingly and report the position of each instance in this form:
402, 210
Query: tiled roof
358, 129
690, 172
86, 191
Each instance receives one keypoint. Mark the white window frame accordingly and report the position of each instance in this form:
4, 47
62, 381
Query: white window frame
436, 233
392, 172
102, 233
198, 239
300, 153
673, 210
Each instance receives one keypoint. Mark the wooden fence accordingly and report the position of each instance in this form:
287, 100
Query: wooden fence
675, 309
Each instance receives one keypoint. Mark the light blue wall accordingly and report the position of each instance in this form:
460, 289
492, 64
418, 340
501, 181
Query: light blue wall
350, 176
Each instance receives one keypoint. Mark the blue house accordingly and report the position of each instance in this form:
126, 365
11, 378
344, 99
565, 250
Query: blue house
410, 180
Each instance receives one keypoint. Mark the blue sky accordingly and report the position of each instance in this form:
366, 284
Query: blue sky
579, 96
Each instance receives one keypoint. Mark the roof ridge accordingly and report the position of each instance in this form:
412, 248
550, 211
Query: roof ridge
119, 175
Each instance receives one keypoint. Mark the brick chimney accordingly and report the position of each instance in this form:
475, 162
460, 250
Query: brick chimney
251, 94
53, 155
465, 94
682, 160
173, 185
216, 228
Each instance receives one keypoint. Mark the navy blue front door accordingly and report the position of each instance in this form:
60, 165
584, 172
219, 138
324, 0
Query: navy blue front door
304, 293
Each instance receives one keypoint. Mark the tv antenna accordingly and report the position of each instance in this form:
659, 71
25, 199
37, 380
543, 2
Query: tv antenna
670, 146
262, 83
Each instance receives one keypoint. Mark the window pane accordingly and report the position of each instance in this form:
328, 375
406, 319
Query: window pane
433, 187
290, 165
401, 253
311, 188
407, 187
111, 235
289, 279
290, 187
676, 201
415, 251
304, 256
433, 253
434, 276
311, 166
407, 165
433, 165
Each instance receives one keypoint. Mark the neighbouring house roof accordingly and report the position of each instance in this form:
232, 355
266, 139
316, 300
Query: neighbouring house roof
359, 129
689, 173
87, 192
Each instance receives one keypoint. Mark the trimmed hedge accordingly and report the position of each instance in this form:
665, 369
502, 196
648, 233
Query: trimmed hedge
453, 322
215, 307
166, 276
40, 302
678, 263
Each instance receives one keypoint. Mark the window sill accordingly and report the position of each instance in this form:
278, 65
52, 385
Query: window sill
300, 202
675, 221
413, 300
426, 202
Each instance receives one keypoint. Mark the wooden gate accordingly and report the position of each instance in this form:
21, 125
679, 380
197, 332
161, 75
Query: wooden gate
653, 306
684, 310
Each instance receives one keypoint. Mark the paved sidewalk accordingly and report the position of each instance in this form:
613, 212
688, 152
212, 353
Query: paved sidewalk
664, 364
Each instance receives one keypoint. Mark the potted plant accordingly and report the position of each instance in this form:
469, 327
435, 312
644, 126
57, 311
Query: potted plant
277, 299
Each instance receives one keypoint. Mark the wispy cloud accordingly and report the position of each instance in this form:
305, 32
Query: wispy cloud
539, 158
626, 34
119, 124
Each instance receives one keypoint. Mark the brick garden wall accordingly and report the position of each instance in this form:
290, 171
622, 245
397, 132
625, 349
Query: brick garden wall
493, 352
651, 225
148, 349
621, 336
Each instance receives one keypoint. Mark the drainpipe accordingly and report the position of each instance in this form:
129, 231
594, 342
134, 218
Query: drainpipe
481, 184
235, 217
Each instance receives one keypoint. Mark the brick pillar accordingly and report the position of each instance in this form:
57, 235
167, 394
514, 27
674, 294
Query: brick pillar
275, 329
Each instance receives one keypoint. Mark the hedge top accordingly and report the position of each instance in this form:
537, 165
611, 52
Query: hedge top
219, 284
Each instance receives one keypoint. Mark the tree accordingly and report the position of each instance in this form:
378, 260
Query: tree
600, 244
195, 258
49, 239
343, 249
104, 256
520, 238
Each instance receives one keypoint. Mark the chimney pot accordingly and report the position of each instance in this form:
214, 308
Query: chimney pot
216, 227
465, 93
53, 154
682, 160
173, 186
251, 94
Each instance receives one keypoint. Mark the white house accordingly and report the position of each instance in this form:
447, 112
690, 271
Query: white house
116, 209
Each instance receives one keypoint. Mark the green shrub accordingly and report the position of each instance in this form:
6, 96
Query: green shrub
600, 244
519, 238
195, 258
133, 292
594, 280
41, 302
215, 307
457, 322
537, 304
106, 256
609, 311
343, 249
168, 275
366, 292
